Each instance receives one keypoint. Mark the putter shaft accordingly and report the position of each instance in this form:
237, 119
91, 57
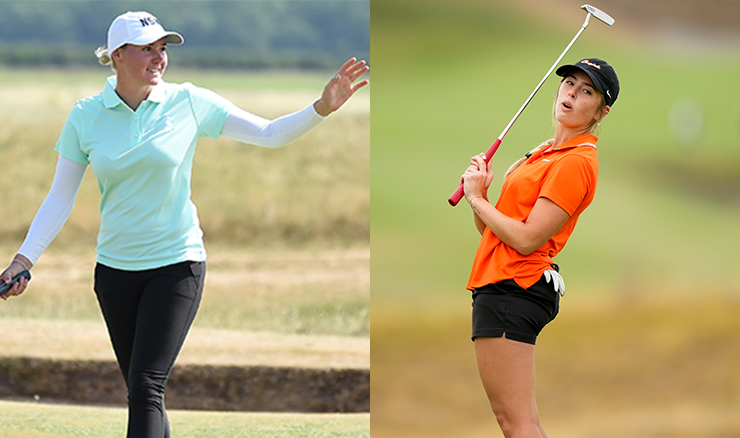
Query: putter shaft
590, 10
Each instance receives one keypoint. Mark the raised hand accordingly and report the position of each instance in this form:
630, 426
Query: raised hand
341, 87
477, 178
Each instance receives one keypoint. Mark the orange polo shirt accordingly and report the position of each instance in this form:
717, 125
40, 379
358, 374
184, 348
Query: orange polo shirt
565, 175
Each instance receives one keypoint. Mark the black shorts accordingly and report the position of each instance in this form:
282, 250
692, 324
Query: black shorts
507, 309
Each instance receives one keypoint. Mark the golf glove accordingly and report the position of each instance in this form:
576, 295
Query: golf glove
557, 281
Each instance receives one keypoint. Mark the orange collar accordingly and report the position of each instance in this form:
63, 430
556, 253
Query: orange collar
588, 140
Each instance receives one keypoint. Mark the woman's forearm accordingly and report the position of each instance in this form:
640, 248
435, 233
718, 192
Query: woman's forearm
543, 222
479, 224
249, 128
55, 209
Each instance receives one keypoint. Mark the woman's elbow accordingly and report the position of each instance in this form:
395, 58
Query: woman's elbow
525, 250
275, 144
528, 246
265, 142
275, 141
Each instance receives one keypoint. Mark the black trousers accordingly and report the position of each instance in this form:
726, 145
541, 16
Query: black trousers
148, 314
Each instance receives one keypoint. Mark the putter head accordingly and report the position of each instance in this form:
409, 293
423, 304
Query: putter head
599, 14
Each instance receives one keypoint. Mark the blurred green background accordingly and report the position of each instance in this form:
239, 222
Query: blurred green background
646, 341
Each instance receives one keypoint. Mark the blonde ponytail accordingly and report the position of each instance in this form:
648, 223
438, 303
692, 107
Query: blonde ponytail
519, 162
104, 58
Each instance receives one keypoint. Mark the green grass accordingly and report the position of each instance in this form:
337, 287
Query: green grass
446, 84
35, 420
447, 78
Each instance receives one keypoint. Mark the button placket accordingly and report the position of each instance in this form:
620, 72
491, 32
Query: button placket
138, 126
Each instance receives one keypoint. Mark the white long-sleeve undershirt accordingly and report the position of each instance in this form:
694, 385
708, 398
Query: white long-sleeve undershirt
240, 125
249, 128
55, 210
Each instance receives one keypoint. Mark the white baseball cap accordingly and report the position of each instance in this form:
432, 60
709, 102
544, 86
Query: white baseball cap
139, 28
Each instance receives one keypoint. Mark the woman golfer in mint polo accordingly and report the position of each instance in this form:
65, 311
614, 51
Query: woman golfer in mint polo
515, 283
139, 135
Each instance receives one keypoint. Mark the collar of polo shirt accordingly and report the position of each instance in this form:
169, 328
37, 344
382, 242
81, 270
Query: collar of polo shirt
111, 99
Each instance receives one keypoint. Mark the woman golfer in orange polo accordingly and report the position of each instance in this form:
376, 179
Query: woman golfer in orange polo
515, 284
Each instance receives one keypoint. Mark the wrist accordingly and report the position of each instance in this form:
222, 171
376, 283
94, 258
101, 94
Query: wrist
471, 202
321, 109
23, 261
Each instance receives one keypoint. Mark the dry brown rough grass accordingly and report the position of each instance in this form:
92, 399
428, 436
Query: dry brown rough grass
58, 316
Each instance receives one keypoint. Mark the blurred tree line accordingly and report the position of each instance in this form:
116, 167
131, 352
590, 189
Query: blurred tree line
297, 34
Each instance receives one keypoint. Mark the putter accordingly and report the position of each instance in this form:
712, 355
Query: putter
6, 287
590, 10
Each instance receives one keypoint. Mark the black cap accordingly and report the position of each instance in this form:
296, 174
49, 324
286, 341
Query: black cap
602, 75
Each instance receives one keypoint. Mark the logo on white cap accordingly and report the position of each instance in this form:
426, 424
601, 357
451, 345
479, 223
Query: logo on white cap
138, 28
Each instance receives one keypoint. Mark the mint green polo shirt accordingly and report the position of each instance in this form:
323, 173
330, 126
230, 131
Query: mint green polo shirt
143, 163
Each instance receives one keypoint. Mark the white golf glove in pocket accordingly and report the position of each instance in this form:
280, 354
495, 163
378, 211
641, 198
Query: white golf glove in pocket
557, 281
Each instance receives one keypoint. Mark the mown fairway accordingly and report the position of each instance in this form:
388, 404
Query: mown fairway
33, 420
646, 341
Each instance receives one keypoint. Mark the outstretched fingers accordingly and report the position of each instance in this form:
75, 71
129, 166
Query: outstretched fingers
352, 70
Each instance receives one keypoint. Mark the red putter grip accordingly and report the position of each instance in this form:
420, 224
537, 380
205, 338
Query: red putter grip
460, 192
